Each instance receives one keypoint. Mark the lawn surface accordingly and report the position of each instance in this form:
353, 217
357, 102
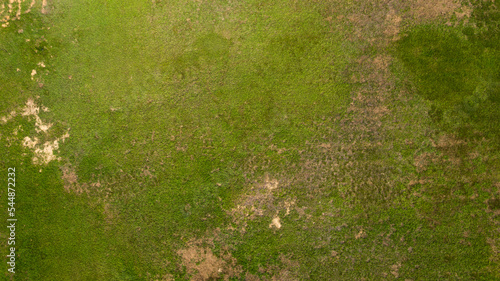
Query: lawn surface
252, 140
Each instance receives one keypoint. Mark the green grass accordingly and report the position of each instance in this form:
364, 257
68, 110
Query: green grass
178, 108
459, 75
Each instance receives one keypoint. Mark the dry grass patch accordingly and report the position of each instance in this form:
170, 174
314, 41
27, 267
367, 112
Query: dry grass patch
422, 11
260, 201
14, 9
70, 180
43, 154
43, 150
202, 264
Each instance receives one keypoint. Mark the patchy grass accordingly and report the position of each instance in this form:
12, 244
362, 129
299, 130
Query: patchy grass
458, 75
252, 140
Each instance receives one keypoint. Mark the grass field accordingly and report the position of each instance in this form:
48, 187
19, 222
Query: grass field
251, 140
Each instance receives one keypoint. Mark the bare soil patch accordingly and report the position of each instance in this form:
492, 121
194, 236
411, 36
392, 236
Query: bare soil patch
70, 180
14, 9
259, 201
202, 264
43, 148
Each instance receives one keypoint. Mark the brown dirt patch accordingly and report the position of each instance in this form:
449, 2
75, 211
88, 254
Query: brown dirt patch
202, 264
31, 109
70, 180
380, 22
255, 202
45, 154
275, 223
42, 147
393, 22
45, 9
424, 11
258, 201
358, 156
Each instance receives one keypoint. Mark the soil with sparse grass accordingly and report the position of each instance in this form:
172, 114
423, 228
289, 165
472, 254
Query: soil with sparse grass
252, 140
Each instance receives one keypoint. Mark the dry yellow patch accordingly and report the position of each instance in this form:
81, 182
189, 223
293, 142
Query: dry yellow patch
43, 153
14, 11
30, 143
31, 109
275, 223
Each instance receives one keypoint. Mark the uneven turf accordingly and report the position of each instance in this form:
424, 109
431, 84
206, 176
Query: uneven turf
341, 140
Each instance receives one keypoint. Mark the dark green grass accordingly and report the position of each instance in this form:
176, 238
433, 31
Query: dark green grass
460, 75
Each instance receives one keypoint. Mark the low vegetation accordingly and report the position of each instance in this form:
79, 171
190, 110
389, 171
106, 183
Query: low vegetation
252, 140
